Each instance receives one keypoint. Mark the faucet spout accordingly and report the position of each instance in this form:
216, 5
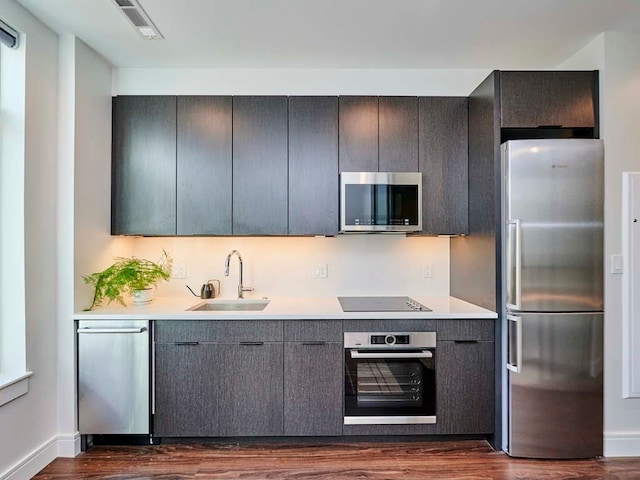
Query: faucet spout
241, 288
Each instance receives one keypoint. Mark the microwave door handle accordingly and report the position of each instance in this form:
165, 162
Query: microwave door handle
421, 354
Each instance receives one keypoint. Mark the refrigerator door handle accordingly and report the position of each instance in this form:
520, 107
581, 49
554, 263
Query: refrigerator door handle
515, 366
514, 261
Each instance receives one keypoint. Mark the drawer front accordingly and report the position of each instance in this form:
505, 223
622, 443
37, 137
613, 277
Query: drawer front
313, 331
481, 330
168, 331
391, 326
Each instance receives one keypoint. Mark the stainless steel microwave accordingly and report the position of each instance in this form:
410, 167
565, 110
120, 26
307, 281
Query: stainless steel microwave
380, 202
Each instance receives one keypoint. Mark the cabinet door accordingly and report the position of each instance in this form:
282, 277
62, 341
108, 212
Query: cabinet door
358, 134
465, 386
550, 98
475, 329
260, 166
204, 165
143, 186
186, 393
313, 166
313, 380
444, 164
251, 383
398, 146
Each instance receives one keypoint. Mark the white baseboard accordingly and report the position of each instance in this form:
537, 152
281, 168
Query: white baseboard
33, 463
59, 446
68, 445
622, 444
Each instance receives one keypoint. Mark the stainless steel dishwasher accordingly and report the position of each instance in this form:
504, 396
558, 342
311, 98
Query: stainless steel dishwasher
113, 376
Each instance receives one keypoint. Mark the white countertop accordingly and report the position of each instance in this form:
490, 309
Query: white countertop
282, 308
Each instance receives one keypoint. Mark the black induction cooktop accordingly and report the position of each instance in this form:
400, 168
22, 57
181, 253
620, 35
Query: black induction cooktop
381, 304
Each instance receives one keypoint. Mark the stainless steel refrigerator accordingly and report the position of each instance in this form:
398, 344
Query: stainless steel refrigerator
552, 260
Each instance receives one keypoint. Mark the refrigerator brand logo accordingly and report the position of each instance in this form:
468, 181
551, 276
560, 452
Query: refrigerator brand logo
559, 166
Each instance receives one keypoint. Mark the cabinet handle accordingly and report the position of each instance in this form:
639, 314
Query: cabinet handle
465, 341
186, 343
252, 343
314, 343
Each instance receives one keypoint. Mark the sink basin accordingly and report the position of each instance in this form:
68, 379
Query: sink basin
244, 304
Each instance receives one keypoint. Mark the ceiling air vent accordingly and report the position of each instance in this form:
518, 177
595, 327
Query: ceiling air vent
138, 18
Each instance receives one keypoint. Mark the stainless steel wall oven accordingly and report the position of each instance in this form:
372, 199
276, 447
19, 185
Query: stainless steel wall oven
390, 378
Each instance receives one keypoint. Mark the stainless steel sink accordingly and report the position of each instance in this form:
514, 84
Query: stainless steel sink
244, 304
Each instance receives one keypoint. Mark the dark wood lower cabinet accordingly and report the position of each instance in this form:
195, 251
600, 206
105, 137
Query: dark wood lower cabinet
464, 382
251, 399
313, 388
186, 390
211, 381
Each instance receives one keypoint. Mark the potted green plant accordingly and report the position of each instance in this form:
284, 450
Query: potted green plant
132, 275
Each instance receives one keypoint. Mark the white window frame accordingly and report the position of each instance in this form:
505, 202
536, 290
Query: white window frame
14, 376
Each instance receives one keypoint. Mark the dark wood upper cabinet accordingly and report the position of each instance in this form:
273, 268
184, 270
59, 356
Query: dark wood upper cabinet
398, 130
143, 184
358, 134
260, 180
313, 166
204, 165
443, 150
548, 98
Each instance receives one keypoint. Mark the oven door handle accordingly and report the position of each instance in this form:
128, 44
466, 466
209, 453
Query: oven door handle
421, 354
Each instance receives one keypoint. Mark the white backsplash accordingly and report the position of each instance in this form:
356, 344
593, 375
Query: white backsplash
282, 266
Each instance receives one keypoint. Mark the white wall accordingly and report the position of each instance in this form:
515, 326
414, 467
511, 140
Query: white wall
84, 179
28, 424
617, 56
209, 81
281, 266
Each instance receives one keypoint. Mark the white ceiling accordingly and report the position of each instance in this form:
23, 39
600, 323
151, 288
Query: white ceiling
342, 33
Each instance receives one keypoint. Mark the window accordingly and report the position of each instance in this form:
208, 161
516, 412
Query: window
13, 374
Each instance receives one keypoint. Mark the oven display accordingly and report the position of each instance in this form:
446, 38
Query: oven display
390, 340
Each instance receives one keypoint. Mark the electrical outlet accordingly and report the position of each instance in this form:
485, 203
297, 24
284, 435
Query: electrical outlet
319, 270
427, 270
179, 270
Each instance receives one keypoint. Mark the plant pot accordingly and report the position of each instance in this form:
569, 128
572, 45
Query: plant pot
142, 297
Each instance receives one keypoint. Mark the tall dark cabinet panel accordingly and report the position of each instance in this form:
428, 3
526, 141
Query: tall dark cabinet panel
204, 165
443, 137
358, 134
143, 183
313, 166
186, 390
398, 134
550, 98
510, 105
260, 180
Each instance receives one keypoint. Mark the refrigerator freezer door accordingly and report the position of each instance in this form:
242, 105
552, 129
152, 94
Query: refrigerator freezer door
553, 225
555, 400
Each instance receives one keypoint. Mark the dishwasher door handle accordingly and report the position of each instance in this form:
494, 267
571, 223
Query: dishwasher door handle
420, 354
112, 330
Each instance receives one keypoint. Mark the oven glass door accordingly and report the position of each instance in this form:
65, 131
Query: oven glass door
383, 387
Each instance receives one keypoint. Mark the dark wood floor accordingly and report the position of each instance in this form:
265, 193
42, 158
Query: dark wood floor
404, 460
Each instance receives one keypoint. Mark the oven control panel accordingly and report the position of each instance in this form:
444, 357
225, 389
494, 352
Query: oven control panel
389, 340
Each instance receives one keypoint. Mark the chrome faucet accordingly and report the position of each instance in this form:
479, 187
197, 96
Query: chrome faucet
241, 288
